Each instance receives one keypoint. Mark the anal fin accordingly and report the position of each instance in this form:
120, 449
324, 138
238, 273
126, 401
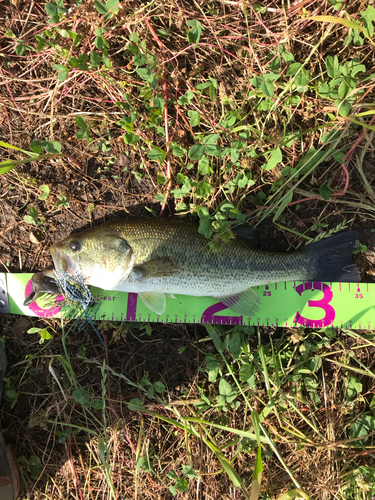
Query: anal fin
156, 301
244, 303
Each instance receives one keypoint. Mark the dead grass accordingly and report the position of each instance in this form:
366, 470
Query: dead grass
116, 452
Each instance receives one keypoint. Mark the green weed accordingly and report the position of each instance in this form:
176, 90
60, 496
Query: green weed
227, 115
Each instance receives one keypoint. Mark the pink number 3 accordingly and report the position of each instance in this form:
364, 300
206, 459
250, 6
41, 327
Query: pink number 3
322, 303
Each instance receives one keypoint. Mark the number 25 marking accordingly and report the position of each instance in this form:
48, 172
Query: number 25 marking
323, 303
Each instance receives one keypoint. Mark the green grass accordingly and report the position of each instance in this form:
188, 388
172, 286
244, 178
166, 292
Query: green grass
224, 114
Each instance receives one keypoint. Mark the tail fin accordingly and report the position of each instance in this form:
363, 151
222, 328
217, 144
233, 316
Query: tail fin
332, 258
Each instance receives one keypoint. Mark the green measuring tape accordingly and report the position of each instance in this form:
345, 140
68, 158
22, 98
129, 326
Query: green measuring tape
292, 303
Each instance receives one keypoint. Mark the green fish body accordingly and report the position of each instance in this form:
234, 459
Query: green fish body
162, 257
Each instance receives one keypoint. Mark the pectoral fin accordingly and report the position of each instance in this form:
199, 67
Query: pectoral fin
156, 268
155, 301
245, 303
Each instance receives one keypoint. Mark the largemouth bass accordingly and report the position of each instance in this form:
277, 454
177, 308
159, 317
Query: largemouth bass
157, 258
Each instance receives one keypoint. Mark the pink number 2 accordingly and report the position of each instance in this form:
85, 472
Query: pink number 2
322, 303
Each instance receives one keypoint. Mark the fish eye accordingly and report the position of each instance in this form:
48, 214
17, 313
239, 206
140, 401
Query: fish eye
75, 246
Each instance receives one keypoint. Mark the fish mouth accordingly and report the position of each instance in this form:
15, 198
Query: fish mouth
62, 261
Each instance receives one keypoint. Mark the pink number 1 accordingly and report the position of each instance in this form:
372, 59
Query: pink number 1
322, 303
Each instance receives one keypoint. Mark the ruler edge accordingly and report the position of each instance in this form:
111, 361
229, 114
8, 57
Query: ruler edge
140, 319
4, 309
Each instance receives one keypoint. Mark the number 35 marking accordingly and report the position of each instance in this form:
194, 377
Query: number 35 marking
323, 303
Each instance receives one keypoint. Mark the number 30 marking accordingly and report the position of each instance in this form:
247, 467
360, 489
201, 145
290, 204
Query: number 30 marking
323, 303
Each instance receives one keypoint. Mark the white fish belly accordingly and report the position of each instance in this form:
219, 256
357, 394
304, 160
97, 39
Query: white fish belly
218, 286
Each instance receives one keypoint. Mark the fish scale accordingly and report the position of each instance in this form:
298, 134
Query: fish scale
156, 257
154, 238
